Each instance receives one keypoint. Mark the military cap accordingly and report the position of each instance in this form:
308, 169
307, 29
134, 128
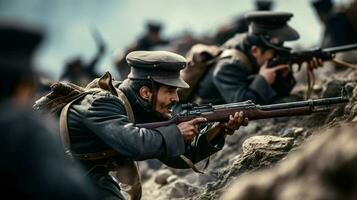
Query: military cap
153, 26
322, 5
263, 4
272, 27
160, 66
18, 44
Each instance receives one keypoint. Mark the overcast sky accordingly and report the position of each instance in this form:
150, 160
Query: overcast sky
120, 22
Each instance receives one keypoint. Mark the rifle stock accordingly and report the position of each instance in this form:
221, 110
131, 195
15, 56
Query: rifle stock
220, 113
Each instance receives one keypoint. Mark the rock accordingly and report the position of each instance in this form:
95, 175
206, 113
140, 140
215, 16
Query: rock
333, 88
161, 176
258, 152
182, 189
324, 168
267, 142
350, 87
172, 178
293, 132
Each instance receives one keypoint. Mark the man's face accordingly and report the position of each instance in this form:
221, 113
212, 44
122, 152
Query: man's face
260, 56
166, 97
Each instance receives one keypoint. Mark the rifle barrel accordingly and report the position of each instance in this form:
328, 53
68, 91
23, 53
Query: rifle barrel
316, 102
340, 48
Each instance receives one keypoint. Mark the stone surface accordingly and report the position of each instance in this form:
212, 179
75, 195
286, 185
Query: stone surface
161, 176
325, 168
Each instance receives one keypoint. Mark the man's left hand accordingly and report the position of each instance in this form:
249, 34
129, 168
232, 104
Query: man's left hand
235, 122
315, 63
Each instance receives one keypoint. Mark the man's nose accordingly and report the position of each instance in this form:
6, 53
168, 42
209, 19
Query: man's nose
174, 97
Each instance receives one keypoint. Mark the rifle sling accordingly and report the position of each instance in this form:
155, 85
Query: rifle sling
190, 164
344, 64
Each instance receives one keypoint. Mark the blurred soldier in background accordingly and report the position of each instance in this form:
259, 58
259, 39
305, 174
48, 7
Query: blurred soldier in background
81, 73
149, 41
338, 29
241, 73
240, 25
33, 164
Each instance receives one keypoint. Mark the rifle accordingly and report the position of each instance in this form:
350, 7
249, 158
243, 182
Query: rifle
220, 113
298, 57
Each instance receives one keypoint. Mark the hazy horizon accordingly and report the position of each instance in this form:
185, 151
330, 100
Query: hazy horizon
121, 22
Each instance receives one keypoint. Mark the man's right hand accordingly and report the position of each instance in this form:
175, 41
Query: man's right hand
269, 74
188, 129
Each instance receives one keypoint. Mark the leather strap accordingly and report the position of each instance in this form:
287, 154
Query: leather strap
128, 108
96, 155
64, 126
310, 82
190, 163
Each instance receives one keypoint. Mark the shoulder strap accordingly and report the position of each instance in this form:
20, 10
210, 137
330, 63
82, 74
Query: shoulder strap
128, 108
64, 126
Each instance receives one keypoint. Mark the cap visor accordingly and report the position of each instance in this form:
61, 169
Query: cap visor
177, 82
285, 34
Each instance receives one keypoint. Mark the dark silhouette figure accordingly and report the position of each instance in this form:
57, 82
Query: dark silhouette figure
33, 165
239, 25
149, 41
337, 26
80, 73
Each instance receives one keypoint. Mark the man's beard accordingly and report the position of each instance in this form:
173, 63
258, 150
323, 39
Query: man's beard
165, 116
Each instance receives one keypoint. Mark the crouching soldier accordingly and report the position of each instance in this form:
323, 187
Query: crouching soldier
98, 126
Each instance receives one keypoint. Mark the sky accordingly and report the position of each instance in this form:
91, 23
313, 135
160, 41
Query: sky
67, 23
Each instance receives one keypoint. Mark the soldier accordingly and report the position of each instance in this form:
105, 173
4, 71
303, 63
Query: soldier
99, 125
149, 41
242, 73
338, 29
81, 73
240, 25
32, 165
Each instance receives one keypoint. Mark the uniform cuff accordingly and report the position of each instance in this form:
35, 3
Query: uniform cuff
174, 143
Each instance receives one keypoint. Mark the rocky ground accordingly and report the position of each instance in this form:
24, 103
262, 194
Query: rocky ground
309, 157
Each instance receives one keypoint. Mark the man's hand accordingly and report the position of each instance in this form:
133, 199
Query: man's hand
235, 122
315, 63
188, 129
269, 74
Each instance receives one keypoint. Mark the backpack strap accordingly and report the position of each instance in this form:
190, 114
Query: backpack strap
128, 108
64, 126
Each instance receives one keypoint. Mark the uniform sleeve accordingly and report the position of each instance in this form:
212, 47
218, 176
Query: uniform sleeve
232, 82
283, 86
106, 117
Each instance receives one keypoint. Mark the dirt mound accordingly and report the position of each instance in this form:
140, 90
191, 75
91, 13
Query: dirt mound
266, 144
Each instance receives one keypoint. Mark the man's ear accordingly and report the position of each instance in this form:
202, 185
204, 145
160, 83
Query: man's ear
254, 50
145, 93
